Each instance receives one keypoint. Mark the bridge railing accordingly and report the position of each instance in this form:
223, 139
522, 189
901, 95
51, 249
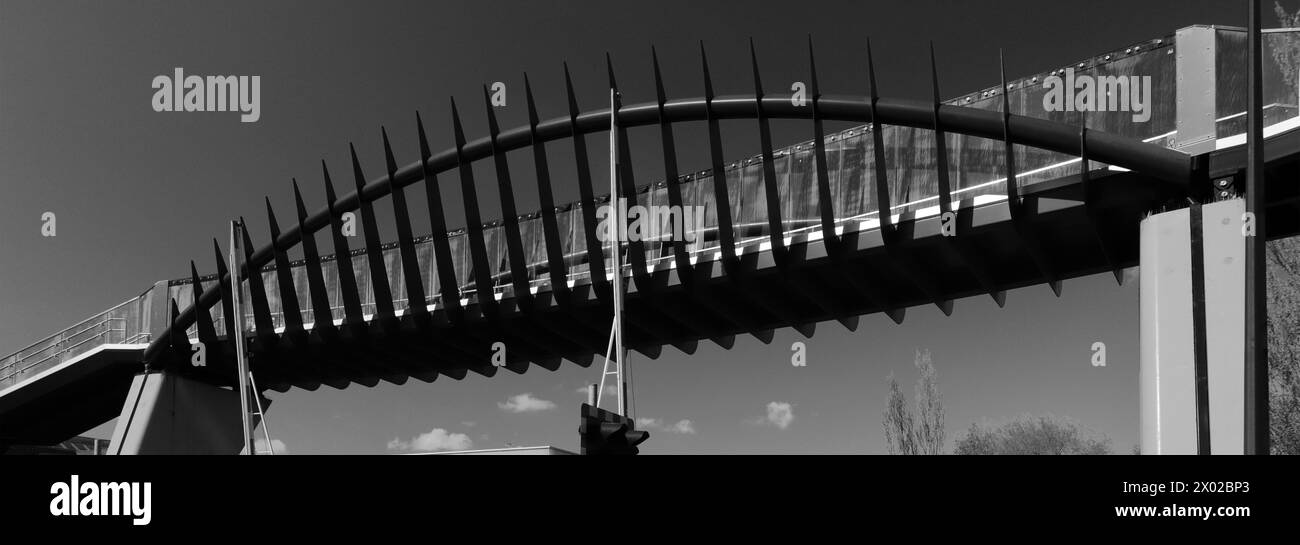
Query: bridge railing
121, 324
1281, 74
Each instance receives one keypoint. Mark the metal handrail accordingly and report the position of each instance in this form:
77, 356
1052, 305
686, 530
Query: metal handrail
64, 337
96, 315
69, 348
70, 341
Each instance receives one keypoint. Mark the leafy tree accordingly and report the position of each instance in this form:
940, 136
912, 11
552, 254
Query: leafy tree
929, 407
1284, 295
922, 433
1287, 54
1032, 435
1284, 345
900, 435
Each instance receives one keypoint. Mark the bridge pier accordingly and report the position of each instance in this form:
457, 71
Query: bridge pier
1192, 330
165, 413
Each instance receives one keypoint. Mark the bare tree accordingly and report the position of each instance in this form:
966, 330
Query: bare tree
922, 433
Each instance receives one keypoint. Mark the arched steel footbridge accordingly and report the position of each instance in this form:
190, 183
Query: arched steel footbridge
923, 202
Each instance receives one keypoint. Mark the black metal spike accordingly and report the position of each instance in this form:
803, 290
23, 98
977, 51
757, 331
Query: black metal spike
458, 132
660, 95
824, 199
448, 285
320, 302
415, 301
179, 341
970, 261
708, 80
883, 206
595, 253
681, 257
473, 221
813, 88
342, 257
554, 251
262, 322
775, 227
284, 277
1027, 237
509, 213
722, 201
1013, 192
389, 161
374, 254
223, 281
1090, 206
533, 118
940, 142
207, 331
609, 69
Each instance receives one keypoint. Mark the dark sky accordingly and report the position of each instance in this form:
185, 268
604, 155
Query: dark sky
138, 193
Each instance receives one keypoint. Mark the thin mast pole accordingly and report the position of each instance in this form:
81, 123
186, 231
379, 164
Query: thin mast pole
615, 247
241, 359
1256, 379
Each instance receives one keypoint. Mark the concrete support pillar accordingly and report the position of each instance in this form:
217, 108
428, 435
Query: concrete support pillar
1170, 403
165, 413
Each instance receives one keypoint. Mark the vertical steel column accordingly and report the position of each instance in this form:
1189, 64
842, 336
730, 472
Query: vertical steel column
614, 352
1256, 373
241, 358
615, 242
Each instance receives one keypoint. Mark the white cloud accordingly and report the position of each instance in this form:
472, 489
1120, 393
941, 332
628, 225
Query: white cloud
276, 445
610, 391
469, 423
433, 441
779, 414
525, 403
684, 427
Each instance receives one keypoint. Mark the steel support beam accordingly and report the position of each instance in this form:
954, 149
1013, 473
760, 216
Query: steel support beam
1256, 285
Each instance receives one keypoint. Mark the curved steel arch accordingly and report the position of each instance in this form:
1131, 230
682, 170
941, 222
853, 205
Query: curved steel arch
1175, 168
